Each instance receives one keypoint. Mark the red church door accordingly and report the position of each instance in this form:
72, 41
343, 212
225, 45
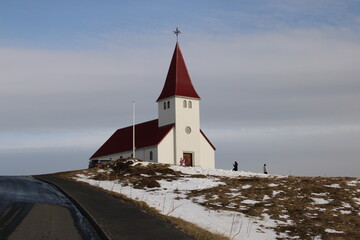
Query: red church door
188, 159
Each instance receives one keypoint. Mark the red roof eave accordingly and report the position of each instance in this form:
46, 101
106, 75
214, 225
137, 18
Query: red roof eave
207, 139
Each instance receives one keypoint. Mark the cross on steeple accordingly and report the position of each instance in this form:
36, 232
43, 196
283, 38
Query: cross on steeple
177, 32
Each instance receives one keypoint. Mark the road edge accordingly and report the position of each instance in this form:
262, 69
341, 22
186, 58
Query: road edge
103, 234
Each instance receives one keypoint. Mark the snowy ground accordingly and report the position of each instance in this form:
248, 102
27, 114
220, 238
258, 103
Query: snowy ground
173, 197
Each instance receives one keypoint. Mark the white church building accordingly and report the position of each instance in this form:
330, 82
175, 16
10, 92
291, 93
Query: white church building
175, 135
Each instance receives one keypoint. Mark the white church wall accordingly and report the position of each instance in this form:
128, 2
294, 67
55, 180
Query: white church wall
147, 151
166, 149
188, 142
166, 111
142, 153
207, 154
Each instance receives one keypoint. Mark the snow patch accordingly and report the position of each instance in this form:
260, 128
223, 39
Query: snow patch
249, 201
320, 194
357, 200
188, 184
328, 230
79, 175
274, 193
354, 183
266, 197
220, 172
319, 201
345, 212
346, 205
273, 185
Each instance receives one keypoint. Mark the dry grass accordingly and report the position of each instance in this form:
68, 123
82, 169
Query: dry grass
303, 207
125, 171
292, 203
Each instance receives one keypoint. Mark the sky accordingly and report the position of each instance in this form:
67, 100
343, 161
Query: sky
278, 80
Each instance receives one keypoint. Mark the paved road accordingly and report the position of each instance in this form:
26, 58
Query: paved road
33, 209
117, 219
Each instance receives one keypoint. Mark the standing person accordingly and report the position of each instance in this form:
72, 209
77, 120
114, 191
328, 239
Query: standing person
182, 162
265, 171
235, 166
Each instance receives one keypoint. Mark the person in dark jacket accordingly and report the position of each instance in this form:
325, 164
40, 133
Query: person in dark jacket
235, 166
265, 170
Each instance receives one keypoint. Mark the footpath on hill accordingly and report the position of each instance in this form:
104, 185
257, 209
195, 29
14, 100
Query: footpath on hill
115, 218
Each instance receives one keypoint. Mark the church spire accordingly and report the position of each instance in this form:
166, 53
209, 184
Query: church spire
178, 82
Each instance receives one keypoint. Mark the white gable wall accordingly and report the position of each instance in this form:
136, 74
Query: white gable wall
207, 154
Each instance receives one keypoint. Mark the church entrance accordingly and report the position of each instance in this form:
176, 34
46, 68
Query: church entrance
188, 159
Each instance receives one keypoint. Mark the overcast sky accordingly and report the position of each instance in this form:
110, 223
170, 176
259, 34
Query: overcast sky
279, 80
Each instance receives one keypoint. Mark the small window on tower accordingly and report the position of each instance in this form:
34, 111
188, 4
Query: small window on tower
190, 104
168, 104
185, 104
151, 155
164, 105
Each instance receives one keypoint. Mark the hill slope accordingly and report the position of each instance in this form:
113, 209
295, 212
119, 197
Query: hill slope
238, 205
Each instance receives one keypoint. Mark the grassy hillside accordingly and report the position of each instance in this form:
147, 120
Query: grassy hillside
298, 207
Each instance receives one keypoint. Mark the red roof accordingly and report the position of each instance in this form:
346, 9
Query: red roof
146, 134
178, 82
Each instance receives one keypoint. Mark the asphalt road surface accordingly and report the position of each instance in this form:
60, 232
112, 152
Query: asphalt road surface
116, 219
32, 209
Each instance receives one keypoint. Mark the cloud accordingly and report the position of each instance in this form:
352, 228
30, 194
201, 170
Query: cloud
53, 89
300, 76
294, 76
281, 96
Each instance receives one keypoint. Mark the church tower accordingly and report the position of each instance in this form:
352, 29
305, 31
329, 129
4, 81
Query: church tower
179, 104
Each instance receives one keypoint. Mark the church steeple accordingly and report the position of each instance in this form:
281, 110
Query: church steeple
178, 82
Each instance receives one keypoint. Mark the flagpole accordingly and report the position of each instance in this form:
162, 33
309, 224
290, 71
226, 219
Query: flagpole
134, 129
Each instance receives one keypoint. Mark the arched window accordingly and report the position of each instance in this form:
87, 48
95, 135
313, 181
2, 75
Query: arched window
168, 104
185, 104
121, 157
190, 104
151, 155
164, 105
